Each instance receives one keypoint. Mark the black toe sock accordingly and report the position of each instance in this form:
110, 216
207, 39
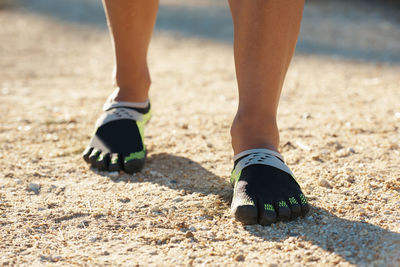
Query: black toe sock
265, 194
118, 144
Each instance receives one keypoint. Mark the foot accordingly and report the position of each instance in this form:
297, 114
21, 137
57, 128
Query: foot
265, 190
117, 144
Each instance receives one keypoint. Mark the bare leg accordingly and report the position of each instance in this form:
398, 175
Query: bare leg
118, 140
131, 25
265, 38
266, 33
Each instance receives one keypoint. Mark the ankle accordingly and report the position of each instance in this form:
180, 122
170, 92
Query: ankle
131, 87
252, 132
129, 95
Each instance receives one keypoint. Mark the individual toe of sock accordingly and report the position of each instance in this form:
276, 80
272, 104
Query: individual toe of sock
86, 154
294, 207
102, 161
134, 162
246, 214
243, 205
133, 166
284, 212
305, 206
115, 162
267, 213
93, 156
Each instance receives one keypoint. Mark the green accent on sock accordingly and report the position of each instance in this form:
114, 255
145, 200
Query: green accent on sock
235, 176
282, 204
114, 160
140, 124
100, 157
303, 199
293, 201
269, 207
135, 155
146, 117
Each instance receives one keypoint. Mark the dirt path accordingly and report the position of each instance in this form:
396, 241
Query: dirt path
339, 120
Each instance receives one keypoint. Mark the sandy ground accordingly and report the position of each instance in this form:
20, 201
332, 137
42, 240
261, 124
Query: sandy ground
339, 120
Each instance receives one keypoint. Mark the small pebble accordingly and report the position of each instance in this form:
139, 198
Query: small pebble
189, 234
50, 258
350, 149
153, 252
324, 183
124, 200
317, 158
83, 224
303, 146
92, 239
34, 188
179, 199
239, 258
343, 153
155, 209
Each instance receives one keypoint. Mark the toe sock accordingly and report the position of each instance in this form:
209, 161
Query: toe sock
118, 141
265, 189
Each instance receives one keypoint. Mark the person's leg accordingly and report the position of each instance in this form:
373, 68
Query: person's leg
131, 25
118, 140
265, 38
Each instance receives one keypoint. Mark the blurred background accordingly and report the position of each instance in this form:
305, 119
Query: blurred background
359, 29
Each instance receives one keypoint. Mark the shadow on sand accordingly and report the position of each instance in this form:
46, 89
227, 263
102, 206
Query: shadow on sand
325, 31
347, 239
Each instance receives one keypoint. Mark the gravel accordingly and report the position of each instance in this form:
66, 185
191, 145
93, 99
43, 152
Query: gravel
55, 75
